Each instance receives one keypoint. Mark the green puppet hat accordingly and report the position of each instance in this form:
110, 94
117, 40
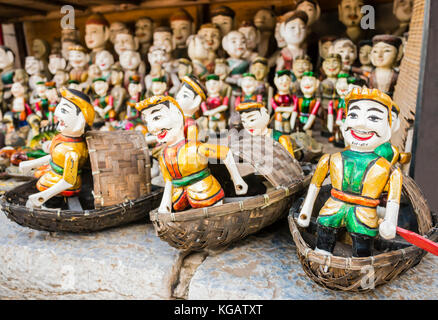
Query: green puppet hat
283, 72
159, 79
248, 75
309, 74
212, 77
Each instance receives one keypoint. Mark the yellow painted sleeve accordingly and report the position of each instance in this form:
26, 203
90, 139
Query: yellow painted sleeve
164, 172
214, 151
71, 163
321, 171
395, 185
286, 142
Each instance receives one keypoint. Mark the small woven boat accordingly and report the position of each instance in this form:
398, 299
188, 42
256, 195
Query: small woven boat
116, 190
391, 257
273, 177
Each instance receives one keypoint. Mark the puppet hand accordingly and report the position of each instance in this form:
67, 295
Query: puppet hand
35, 201
241, 187
387, 230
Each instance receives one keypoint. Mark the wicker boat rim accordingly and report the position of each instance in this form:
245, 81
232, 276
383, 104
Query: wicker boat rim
355, 263
251, 203
6, 205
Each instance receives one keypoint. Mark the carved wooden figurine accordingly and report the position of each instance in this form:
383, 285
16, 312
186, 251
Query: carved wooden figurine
216, 105
358, 176
187, 183
306, 108
68, 150
255, 119
385, 54
104, 103
294, 32
282, 102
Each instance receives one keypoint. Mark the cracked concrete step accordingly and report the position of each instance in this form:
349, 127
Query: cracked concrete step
265, 266
124, 263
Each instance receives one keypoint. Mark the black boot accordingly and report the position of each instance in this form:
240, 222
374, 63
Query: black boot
326, 238
362, 245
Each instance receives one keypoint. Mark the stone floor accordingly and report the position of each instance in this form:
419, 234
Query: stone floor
132, 263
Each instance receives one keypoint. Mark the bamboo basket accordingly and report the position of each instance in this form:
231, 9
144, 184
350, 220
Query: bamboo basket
115, 191
391, 258
237, 217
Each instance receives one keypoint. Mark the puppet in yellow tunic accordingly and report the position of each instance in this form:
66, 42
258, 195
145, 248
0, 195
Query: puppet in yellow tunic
184, 160
68, 151
359, 175
255, 120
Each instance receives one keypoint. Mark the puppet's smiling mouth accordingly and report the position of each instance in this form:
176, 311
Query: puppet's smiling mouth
162, 134
362, 135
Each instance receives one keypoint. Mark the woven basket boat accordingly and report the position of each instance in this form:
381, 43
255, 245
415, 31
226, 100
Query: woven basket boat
116, 190
238, 217
391, 257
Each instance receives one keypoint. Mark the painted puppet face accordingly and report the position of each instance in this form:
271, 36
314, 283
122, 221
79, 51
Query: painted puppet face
225, 23
283, 83
143, 30
6, 59
130, 60
158, 56
264, 20
65, 48
158, 88
41, 90
294, 32
123, 42
403, 10
347, 50
163, 39
32, 65
183, 70
383, 55
234, 44
342, 87
300, 66
331, 67
188, 100
181, 30
349, 12
259, 70
101, 88
134, 89
95, 36
39, 49
104, 60
251, 37
249, 85
211, 38
281, 43
78, 59
61, 77
309, 85
213, 87
311, 10
255, 122
17, 90
116, 28
366, 126
56, 63
71, 122
164, 122
364, 55
324, 49
52, 94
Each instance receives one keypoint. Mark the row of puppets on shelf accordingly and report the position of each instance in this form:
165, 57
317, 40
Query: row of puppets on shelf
229, 91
